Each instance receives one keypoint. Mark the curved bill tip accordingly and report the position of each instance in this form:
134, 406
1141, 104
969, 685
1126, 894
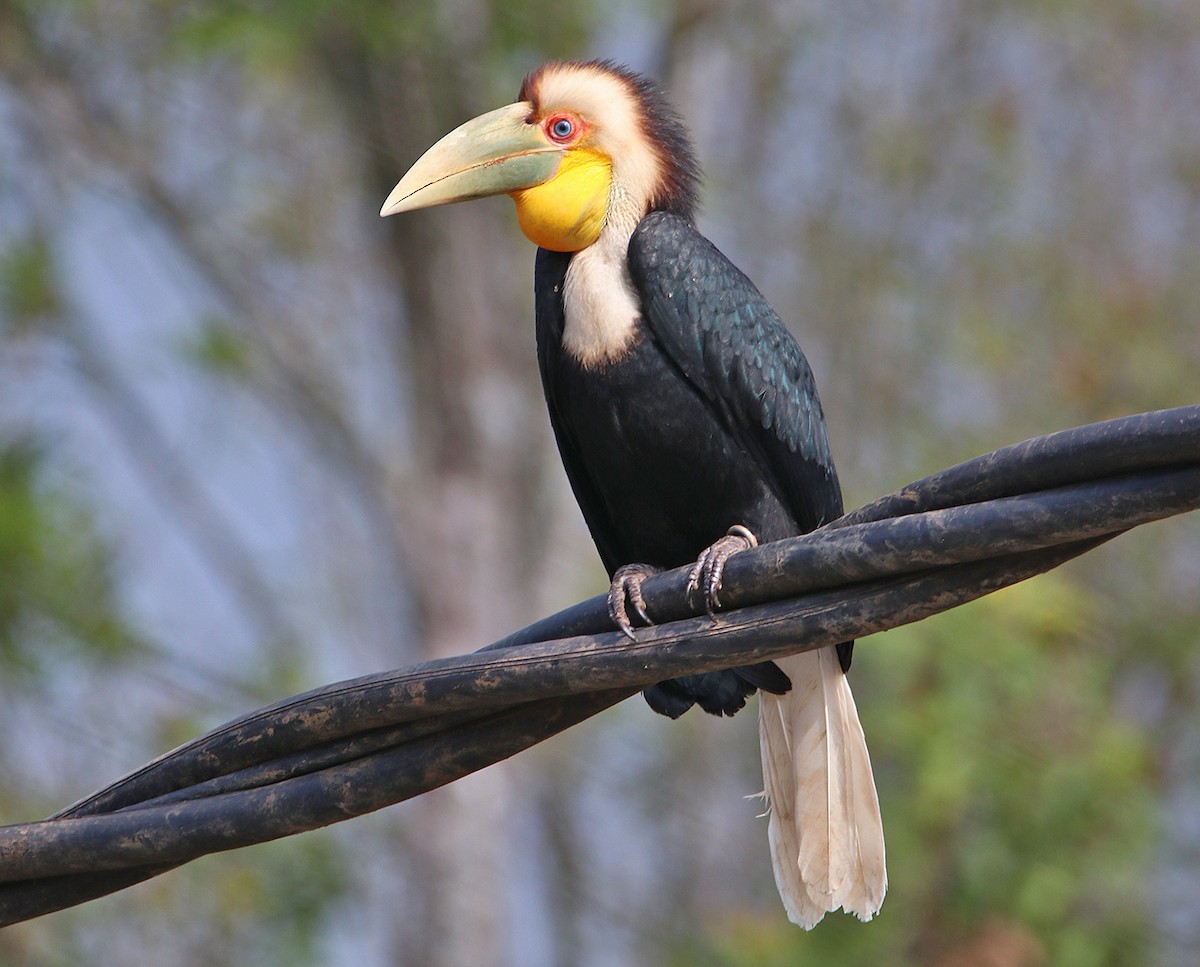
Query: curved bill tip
494, 154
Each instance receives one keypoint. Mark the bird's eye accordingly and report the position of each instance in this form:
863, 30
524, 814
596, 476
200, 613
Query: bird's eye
562, 129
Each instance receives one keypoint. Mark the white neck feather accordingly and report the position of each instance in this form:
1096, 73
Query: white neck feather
599, 300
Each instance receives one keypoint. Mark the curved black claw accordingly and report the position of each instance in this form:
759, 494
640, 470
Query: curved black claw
710, 566
627, 586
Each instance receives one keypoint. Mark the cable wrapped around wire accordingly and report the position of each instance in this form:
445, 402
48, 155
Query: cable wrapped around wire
351, 748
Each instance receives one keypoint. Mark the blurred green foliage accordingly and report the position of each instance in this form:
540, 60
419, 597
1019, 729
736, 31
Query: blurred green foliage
1018, 809
57, 594
286, 35
1021, 799
29, 294
220, 349
267, 906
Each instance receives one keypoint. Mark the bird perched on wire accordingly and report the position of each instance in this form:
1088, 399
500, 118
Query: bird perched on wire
687, 419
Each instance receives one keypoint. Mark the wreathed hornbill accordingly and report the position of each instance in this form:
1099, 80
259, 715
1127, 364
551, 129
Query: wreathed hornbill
687, 419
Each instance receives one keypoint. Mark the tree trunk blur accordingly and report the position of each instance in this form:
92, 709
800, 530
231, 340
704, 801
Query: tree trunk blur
310, 444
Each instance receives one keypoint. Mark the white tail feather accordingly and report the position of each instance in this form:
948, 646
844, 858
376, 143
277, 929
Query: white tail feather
824, 825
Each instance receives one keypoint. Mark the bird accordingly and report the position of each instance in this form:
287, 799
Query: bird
688, 423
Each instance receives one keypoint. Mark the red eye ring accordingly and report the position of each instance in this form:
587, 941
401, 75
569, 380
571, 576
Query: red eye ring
562, 128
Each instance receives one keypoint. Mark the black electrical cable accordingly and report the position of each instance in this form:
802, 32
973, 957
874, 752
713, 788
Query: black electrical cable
347, 749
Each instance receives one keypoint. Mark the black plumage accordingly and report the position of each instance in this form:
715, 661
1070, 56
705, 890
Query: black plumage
687, 419
709, 419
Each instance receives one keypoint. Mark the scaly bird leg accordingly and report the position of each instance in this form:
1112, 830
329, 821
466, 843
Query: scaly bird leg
627, 586
710, 566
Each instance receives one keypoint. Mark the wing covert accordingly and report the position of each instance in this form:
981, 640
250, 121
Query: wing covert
727, 340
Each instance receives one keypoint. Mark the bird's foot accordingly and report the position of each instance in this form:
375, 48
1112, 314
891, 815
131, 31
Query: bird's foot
709, 568
627, 587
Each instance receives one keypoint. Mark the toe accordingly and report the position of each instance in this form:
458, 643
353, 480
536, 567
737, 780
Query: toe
709, 569
625, 590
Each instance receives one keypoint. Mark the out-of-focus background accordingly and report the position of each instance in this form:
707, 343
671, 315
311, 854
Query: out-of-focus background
254, 439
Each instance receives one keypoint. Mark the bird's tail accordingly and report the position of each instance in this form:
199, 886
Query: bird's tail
825, 829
